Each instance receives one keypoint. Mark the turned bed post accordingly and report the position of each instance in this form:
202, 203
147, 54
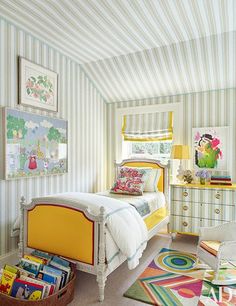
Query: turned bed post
21, 241
101, 277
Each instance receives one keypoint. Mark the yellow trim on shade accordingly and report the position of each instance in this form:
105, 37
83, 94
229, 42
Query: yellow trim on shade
124, 125
171, 121
160, 184
73, 240
156, 217
140, 139
127, 138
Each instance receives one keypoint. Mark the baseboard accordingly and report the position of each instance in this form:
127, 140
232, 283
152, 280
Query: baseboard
10, 258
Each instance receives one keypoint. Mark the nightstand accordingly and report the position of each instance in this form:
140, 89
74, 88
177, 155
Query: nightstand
195, 205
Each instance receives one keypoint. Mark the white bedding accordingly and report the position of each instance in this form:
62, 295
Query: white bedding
126, 231
154, 200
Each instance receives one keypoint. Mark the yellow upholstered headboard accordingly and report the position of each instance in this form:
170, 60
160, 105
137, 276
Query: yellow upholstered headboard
149, 163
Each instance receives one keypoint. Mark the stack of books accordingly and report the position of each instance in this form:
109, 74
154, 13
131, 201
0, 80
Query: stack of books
221, 180
37, 276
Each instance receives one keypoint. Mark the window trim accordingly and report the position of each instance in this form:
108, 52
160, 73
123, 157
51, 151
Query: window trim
176, 108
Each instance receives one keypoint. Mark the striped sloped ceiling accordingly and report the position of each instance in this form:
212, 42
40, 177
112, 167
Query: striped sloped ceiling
90, 30
79, 102
197, 65
202, 109
138, 49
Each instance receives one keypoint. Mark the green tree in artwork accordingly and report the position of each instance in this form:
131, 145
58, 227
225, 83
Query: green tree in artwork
23, 157
15, 127
54, 134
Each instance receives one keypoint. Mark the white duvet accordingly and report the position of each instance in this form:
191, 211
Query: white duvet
126, 231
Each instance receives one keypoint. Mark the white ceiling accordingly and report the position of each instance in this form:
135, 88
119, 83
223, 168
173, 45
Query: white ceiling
94, 30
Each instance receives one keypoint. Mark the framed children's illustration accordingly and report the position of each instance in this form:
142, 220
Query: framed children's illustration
210, 148
35, 145
38, 86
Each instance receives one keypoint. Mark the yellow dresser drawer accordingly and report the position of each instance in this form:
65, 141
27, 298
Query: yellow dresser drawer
210, 222
218, 196
217, 212
187, 209
185, 224
185, 194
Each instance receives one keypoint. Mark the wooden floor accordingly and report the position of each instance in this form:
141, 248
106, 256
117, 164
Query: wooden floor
86, 291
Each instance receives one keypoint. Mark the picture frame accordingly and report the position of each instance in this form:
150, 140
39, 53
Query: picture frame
38, 86
34, 145
210, 148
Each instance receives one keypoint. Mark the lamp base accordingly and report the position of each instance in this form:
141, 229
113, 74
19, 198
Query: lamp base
180, 172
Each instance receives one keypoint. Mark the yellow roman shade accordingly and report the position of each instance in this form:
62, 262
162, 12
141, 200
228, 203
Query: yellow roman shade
148, 127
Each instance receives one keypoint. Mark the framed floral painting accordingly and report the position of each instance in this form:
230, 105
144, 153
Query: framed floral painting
38, 86
210, 148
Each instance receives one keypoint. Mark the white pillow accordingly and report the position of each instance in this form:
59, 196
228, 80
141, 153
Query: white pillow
152, 181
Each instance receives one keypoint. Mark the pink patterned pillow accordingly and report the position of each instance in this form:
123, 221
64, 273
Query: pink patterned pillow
131, 181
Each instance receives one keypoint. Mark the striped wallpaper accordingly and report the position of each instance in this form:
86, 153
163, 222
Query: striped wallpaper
202, 109
79, 102
197, 65
138, 49
91, 30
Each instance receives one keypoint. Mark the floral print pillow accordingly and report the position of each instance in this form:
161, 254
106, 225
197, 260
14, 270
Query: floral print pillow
131, 181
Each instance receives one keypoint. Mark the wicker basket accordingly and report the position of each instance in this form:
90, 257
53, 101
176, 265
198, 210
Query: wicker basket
60, 298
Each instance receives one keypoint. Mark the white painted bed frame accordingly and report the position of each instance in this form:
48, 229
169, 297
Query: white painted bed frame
99, 268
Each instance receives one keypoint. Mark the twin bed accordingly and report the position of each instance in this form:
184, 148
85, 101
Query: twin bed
97, 231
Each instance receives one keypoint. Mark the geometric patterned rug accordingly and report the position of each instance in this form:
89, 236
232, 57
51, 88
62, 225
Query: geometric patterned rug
170, 279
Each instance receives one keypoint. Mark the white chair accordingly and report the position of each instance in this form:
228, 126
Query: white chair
217, 245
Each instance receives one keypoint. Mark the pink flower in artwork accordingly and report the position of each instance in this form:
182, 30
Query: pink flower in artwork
39, 87
215, 142
29, 84
197, 136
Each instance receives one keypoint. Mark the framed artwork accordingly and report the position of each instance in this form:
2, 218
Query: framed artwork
38, 86
210, 146
35, 145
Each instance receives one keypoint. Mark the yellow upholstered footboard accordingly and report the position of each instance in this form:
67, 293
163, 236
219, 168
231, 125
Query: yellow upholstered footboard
61, 230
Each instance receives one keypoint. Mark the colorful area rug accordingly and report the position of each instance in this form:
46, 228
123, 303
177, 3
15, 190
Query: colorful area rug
171, 280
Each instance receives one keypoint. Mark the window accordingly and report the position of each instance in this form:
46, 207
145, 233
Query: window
160, 150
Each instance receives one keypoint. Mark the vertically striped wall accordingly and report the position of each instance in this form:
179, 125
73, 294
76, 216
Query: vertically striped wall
202, 109
79, 102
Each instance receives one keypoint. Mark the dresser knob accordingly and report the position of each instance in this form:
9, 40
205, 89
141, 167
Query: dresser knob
185, 194
185, 223
185, 207
217, 211
217, 196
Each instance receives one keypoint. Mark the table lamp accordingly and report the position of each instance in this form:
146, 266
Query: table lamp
180, 152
